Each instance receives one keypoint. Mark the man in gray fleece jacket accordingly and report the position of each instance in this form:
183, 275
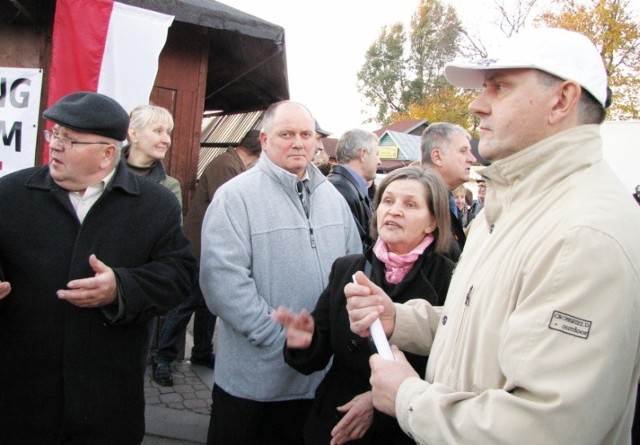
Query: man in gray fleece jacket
269, 239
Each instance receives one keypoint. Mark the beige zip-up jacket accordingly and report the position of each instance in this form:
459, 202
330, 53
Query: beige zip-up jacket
538, 342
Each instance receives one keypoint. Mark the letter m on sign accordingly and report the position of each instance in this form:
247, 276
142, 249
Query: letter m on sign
14, 134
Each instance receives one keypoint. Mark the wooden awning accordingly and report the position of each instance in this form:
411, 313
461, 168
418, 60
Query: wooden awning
247, 67
247, 58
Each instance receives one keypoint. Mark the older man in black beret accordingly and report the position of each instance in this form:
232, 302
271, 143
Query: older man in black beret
89, 254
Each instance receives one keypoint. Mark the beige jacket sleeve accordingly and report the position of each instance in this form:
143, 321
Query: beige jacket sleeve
415, 326
547, 386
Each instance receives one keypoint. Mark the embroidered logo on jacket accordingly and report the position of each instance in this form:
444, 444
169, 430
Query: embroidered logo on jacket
569, 324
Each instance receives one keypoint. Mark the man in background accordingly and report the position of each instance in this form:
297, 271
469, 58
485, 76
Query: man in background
477, 204
224, 167
357, 152
446, 148
270, 237
321, 158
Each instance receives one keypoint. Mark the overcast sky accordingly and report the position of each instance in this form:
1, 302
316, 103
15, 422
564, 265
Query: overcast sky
326, 42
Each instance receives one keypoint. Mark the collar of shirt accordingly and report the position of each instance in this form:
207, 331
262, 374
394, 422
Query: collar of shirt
359, 179
453, 206
83, 202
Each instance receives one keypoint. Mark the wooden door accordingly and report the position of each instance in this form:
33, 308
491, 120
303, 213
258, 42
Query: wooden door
180, 87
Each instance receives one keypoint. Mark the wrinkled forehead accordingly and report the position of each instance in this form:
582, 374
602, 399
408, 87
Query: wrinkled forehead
293, 113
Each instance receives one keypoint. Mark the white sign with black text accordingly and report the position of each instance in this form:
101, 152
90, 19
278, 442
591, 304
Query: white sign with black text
20, 91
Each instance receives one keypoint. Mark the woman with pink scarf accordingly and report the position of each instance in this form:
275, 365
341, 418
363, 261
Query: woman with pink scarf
413, 231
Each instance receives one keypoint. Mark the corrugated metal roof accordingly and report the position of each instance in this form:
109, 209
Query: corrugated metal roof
220, 132
228, 129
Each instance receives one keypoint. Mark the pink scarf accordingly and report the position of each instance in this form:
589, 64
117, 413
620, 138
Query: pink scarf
398, 265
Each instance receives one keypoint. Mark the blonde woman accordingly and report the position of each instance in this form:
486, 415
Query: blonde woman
149, 139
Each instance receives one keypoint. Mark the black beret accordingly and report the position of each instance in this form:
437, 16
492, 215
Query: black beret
90, 113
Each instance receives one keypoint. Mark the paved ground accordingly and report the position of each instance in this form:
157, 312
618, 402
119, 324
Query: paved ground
188, 393
179, 414
155, 440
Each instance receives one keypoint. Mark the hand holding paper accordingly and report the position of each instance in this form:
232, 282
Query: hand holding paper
379, 337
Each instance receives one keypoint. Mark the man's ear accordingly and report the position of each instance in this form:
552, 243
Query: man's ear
263, 139
565, 101
362, 153
436, 157
108, 155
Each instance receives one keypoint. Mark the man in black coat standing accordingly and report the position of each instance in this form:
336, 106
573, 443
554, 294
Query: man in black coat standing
89, 254
357, 152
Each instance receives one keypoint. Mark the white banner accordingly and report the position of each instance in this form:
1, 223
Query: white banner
20, 90
134, 41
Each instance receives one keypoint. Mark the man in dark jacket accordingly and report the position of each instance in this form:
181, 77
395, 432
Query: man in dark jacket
357, 151
224, 167
90, 253
446, 148
478, 204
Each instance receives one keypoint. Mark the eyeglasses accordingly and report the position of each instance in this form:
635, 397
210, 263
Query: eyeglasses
68, 143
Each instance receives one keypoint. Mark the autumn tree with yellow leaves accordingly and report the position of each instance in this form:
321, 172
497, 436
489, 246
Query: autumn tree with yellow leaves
402, 77
402, 70
616, 33
445, 104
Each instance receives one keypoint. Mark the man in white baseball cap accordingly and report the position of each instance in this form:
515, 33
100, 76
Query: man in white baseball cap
539, 340
564, 54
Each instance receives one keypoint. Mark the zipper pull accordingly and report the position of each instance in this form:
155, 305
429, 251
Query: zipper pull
313, 238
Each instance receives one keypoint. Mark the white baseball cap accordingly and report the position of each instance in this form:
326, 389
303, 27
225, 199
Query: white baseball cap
566, 54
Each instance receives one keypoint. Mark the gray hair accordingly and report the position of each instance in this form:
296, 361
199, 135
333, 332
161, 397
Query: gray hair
438, 136
590, 111
118, 145
352, 141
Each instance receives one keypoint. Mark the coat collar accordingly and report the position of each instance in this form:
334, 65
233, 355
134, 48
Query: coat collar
348, 174
157, 171
122, 180
287, 179
533, 171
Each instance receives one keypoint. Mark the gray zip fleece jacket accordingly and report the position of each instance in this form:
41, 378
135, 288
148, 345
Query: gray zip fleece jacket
259, 252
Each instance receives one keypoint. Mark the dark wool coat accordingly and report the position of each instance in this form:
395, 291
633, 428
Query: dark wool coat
358, 201
459, 238
69, 374
349, 374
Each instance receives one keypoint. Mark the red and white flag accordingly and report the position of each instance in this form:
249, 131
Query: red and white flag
108, 47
